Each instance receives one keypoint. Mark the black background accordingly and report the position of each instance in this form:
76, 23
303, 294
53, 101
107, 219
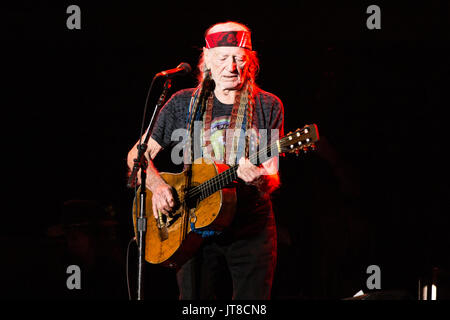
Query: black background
376, 191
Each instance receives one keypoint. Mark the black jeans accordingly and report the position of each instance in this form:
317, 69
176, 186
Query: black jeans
249, 262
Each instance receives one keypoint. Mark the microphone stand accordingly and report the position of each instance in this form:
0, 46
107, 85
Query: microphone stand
141, 163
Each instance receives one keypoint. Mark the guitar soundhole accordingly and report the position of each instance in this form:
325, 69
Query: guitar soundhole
191, 202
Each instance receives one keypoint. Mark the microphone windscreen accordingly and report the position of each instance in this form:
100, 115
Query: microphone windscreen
185, 66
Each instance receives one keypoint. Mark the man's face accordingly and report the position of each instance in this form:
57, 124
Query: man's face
228, 66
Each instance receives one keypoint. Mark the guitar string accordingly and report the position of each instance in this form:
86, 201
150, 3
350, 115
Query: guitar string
214, 182
208, 187
222, 179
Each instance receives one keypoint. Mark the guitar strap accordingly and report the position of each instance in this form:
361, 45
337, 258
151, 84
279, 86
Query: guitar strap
192, 111
237, 120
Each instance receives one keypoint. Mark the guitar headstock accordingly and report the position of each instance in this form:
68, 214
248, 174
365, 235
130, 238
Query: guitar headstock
302, 139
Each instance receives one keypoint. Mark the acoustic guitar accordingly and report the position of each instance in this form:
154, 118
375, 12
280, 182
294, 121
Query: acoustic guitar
205, 201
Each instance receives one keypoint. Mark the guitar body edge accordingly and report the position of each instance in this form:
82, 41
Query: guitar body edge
214, 212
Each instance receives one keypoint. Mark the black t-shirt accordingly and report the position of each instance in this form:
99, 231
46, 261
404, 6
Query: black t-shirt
254, 209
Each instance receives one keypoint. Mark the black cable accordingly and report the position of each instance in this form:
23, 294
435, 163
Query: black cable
126, 267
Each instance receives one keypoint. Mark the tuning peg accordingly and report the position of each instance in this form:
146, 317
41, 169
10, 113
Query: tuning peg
305, 149
313, 146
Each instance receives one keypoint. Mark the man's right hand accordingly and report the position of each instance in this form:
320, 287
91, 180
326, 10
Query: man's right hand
162, 199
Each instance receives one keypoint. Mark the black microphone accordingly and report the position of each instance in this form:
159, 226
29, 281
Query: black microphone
182, 69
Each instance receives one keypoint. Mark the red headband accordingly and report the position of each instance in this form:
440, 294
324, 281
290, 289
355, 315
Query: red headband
229, 39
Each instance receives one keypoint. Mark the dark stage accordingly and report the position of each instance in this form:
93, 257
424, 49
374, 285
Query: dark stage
376, 192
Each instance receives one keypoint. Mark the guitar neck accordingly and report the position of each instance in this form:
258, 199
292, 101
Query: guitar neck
225, 178
300, 139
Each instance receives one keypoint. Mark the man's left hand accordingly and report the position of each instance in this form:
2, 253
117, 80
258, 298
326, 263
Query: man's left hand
247, 171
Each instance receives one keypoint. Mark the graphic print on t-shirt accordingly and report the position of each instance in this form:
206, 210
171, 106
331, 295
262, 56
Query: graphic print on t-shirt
219, 131
219, 128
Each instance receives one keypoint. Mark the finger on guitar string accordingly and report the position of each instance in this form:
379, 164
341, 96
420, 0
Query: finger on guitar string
245, 175
161, 205
168, 198
154, 210
164, 205
247, 171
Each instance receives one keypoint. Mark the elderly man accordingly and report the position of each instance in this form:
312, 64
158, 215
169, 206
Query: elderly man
226, 102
